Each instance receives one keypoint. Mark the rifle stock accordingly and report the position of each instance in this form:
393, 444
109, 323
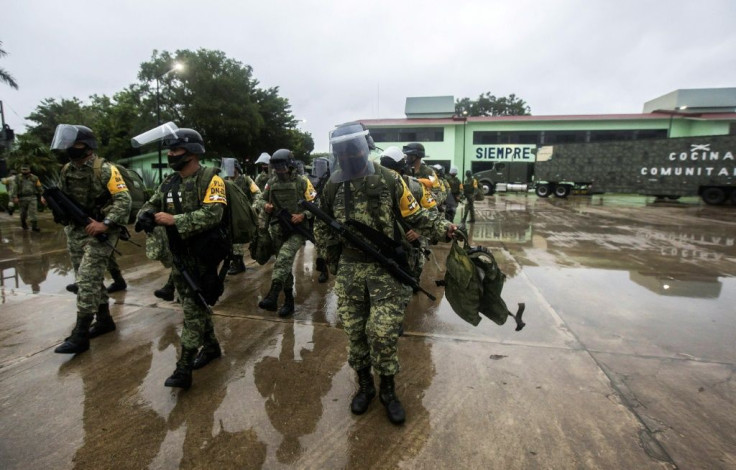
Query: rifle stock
283, 217
176, 246
389, 264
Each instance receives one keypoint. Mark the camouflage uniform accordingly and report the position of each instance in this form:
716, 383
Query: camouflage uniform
455, 187
9, 183
469, 188
417, 256
90, 257
27, 188
202, 207
251, 189
286, 245
262, 179
371, 302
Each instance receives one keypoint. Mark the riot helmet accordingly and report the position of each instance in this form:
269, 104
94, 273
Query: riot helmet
413, 151
25, 168
453, 170
263, 160
68, 136
468, 173
351, 145
440, 170
393, 158
188, 139
282, 162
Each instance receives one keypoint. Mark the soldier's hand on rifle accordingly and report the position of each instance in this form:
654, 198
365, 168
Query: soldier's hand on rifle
412, 236
297, 218
164, 218
95, 228
268, 207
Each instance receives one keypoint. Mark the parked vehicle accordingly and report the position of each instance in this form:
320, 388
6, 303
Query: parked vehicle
667, 168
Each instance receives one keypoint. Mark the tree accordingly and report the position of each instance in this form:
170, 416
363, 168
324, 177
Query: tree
489, 105
4, 75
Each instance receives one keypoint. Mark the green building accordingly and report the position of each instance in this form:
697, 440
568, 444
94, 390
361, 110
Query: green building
477, 143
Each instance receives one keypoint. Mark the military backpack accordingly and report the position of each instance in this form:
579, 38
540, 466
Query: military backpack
473, 284
240, 217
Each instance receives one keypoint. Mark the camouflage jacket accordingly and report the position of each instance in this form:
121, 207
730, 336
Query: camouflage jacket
249, 187
202, 202
26, 186
377, 200
107, 190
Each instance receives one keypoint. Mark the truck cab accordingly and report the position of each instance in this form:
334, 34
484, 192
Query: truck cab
506, 176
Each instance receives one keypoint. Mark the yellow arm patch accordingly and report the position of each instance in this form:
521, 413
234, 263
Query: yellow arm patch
215, 193
408, 205
310, 193
426, 182
428, 201
475, 183
253, 187
116, 183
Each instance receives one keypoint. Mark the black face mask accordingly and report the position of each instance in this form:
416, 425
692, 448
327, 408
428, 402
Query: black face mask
178, 162
76, 153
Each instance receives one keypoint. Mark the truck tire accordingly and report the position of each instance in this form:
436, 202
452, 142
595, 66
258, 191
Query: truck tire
543, 190
713, 196
562, 190
488, 187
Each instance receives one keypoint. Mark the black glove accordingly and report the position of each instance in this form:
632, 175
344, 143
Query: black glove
146, 221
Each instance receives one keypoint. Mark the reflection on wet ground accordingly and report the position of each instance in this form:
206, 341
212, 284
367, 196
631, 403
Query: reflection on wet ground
627, 360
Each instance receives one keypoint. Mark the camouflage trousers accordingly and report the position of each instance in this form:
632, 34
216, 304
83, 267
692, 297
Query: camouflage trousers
371, 305
286, 251
29, 209
90, 259
198, 329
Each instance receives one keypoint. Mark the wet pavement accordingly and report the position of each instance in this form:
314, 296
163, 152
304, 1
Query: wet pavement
627, 360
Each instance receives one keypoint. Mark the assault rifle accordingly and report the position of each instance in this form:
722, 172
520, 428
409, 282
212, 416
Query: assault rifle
388, 263
283, 218
66, 210
147, 223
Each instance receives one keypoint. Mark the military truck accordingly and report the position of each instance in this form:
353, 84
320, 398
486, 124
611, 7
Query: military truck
666, 168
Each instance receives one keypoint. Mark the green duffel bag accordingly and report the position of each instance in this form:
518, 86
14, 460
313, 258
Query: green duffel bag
473, 284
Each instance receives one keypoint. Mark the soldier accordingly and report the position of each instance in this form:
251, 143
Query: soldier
444, 188
113, 268
263, 176
394, 159
9, 182
26, 190
371, 302
282, 193
85, 178
251, 190
469, 188
190, 204
456, 188
425, 174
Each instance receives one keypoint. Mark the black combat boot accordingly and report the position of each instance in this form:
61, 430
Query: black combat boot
23, 223
118, 283
366, 392
209, 352
237, 266
103, 324
270, 302
182, 376
73, 288
323, 276
78, 341
34, 227
288, 307
394, 409
166, 292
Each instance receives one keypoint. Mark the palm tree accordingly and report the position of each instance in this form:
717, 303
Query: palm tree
5, 76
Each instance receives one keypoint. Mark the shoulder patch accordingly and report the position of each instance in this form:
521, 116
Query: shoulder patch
253, 187
310, 193
116, 183
408, 205
216, 193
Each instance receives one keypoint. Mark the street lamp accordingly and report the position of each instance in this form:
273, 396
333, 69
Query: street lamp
465, 126
177, 66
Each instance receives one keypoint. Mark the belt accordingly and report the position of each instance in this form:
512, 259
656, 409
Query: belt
355, 255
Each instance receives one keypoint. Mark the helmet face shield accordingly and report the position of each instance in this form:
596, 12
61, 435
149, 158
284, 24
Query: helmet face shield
64, 137
263, 158
351, 151
160, 133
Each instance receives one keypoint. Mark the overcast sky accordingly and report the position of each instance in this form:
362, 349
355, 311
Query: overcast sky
338, 61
